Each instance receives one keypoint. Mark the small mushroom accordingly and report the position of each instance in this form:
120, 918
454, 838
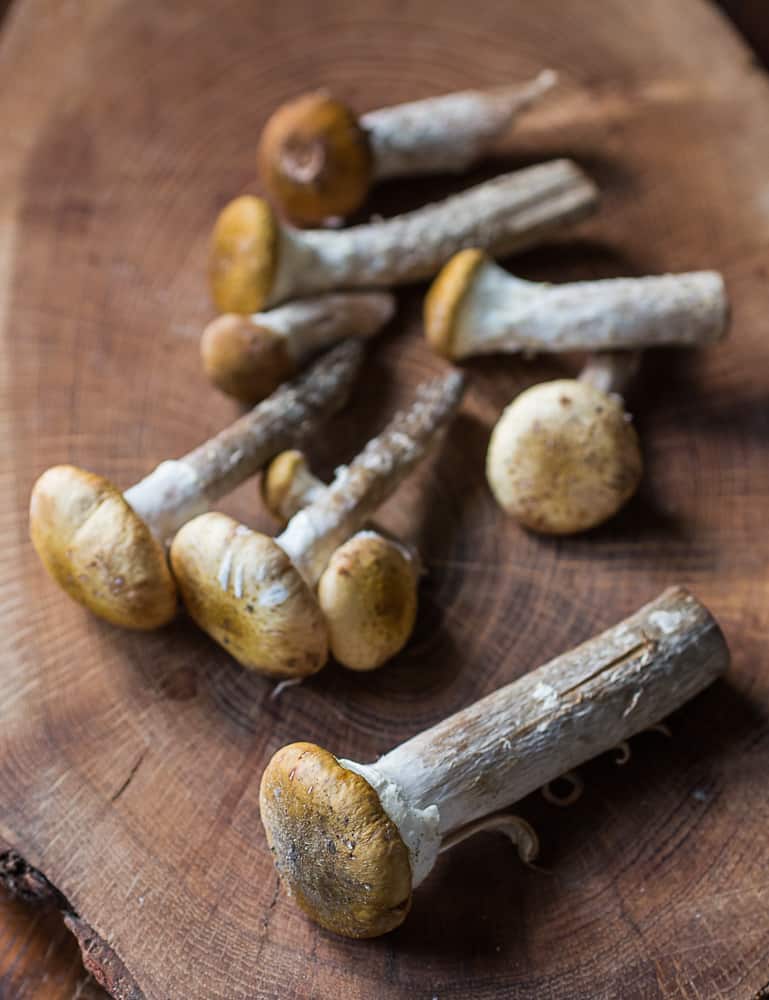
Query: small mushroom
564, 456
352, 840
106, 548
368, 591
256, 262
256, 595
475, 307
249, 356
317, 160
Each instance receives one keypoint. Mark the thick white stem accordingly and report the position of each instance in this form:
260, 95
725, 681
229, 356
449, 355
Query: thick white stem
505, 214
167, 498
505, 313
584, 703
447, 133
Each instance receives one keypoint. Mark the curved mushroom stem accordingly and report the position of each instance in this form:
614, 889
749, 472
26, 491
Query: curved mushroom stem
313, 534
515, 828
446, 133
180, 489
523, 736
503, 215
611, 372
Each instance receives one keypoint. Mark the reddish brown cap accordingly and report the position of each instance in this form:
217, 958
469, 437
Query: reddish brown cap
244, 255
340, 854
245, 359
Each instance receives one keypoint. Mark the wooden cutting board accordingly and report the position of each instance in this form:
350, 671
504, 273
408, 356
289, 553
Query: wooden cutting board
130, 764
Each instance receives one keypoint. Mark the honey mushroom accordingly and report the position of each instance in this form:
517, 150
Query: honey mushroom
249, 356
352, 841
368, 591
255, 595
317, 160
106, 549
257, 262
475, 307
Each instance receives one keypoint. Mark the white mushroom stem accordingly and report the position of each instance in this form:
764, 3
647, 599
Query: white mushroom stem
313, 534
611, 371
502, 313
580, 705
447, 133
505, 214
180, 489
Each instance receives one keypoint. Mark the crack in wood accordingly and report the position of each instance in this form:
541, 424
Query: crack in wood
130, 777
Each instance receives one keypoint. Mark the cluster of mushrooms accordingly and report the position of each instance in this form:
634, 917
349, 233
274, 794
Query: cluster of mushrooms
296, 307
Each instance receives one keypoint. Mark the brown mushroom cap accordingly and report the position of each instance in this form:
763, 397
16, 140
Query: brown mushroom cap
563, 457
368, 594
343, 858
244, 255
445, 298
99, 550
243, 358
286, 473
314, 159
243, 590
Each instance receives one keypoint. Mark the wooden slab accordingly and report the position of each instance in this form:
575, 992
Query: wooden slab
129, 765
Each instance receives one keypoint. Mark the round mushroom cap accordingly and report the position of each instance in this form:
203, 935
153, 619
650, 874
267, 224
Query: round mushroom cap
368, 594
244, 255
341, 855
563, 457
245, 359
287, 475
99, 550
445, 297
243, 590
314, 159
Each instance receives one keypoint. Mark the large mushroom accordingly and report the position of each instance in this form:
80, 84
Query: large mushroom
317, 160
106, 548
352, 841
255, 595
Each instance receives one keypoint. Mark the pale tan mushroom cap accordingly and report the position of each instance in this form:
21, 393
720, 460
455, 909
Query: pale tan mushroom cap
445, 297
99, 550
368, 594
244, 255
245, 359
563, 457
342, 857
243, 590
285, 476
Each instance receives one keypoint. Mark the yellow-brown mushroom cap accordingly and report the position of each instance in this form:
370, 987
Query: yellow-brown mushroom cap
563, 457
279, 483
244, 255
314, 159
245, 359
368, 594
243, 590
445, 297
342, 857
99, 550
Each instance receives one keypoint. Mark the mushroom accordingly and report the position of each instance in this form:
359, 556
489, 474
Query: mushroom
317, 160
564, 456
476, 307
249, 356
255, 595
106, 548
368, 591
353, 840
256, 262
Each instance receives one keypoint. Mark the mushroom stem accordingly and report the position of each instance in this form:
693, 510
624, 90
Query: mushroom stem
611, 372
490, 755
476, 307
446, 133
313, 534
180, 489
515, 828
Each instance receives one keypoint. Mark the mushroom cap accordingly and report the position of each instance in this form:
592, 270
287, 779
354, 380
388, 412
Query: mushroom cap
314, 159
245, 359
445, 297
341, 855
280, 480
99, 550
563, 457
244, 255
243, 590
368, 594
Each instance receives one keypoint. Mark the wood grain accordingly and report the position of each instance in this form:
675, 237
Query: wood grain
129, 765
